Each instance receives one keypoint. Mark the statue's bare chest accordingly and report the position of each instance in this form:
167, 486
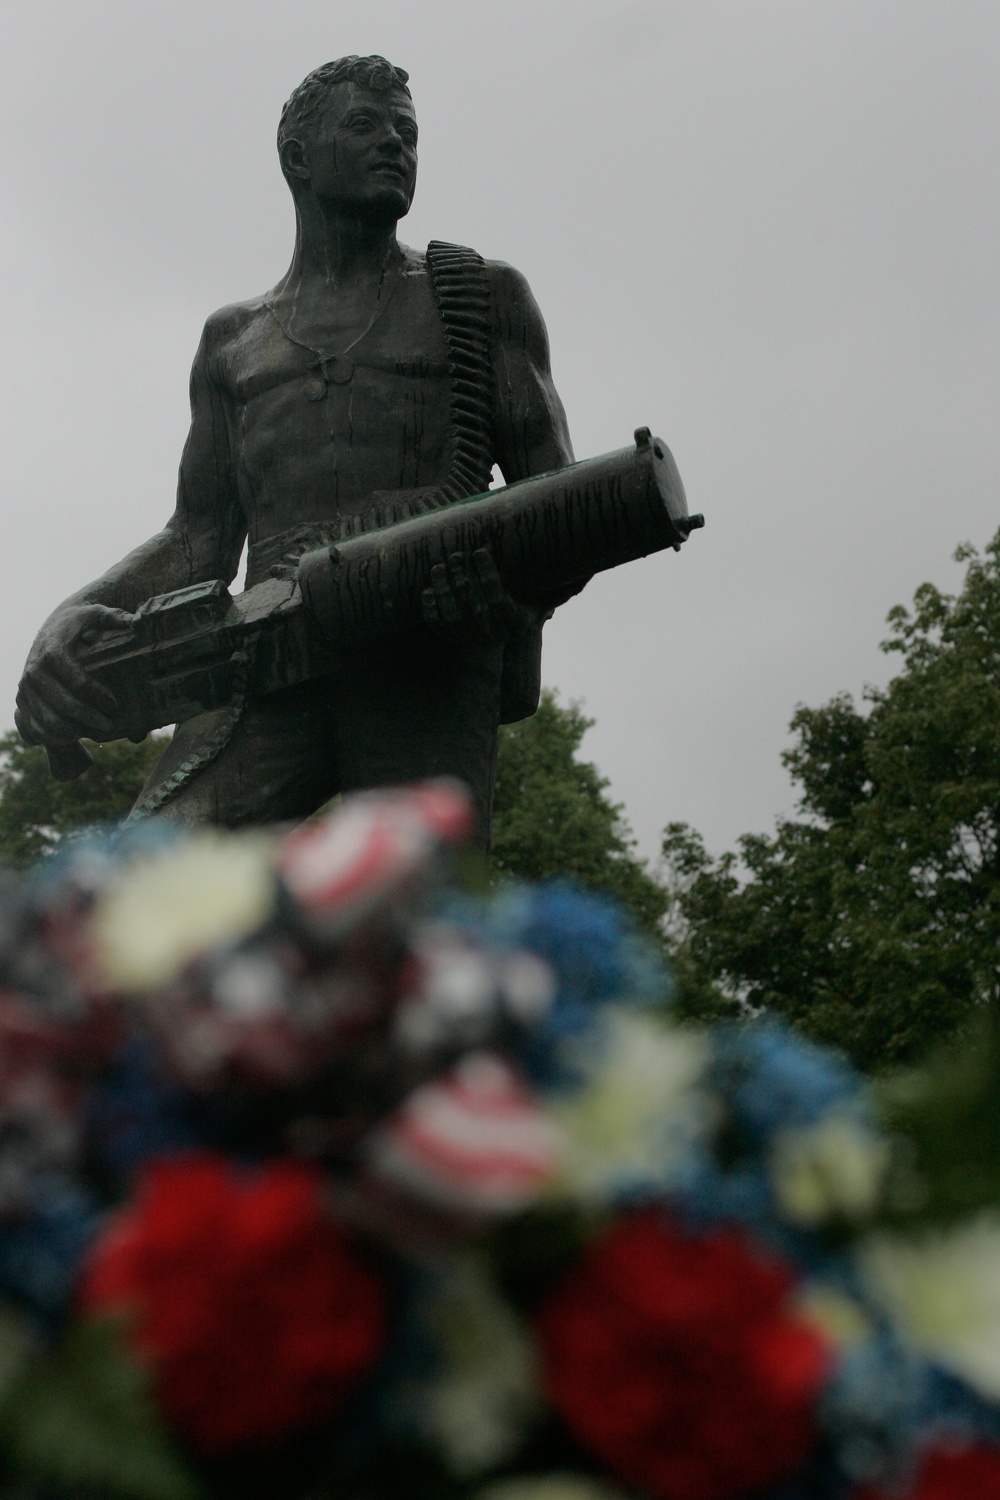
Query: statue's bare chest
322, 422
322, 348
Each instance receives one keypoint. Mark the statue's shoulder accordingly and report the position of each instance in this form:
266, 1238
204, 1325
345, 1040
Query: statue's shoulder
505, 276
513, 303
510, 287
517, 316
229, 322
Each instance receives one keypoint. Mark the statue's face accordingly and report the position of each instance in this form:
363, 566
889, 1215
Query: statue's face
363, 156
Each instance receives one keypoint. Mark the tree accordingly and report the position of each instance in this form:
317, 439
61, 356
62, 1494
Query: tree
36, 811
873, 919
552, 815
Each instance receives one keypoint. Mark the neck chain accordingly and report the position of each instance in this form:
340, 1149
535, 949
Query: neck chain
337, 368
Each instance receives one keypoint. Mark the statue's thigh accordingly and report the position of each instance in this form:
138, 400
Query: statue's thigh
277, 764
419, 709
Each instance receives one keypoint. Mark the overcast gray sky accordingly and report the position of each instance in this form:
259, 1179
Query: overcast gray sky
768, 229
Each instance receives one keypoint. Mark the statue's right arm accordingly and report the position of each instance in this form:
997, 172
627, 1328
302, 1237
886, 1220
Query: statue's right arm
58, 700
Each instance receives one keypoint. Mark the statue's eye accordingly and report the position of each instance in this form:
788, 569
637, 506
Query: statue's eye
359, 124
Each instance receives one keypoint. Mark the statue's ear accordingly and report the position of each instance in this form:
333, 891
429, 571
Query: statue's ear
293, 159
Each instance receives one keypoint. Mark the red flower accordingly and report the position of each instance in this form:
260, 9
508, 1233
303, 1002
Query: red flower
965, 1474
254, 1313
673, 1358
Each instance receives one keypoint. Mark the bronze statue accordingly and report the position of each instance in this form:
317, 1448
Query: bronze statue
373, 386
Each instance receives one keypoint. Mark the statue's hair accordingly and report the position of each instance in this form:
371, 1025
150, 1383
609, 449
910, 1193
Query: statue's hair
306, 103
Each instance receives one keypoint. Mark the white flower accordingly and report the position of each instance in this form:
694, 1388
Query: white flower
944, 1292
635, 1120
831, 1170
208, 888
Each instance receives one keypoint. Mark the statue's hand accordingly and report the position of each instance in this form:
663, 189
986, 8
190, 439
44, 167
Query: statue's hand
58, 700
468, 593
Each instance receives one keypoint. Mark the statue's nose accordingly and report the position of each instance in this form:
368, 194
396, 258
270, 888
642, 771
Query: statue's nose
391, 141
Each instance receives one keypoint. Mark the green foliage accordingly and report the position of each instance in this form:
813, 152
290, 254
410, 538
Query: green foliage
84, 1413
36, 811
945, 1124
873, 920
552, 815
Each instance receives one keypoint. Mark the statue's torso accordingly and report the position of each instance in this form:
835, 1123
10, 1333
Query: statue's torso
308, 450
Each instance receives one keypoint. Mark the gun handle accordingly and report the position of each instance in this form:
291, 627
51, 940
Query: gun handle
67, 762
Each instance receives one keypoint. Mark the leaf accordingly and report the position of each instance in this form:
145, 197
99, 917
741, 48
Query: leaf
945, 1120
84, 1414
17, 1343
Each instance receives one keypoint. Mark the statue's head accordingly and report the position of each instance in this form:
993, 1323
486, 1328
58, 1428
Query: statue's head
348, 134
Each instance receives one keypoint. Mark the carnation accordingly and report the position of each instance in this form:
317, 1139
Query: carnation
677, 1359
253, 1311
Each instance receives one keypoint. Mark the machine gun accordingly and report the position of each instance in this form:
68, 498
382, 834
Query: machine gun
199, 648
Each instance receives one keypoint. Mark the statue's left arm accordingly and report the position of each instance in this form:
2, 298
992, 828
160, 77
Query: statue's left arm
532, 437
529, 421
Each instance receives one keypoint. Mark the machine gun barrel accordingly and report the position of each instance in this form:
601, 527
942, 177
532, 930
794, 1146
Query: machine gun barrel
545, 534
198, 648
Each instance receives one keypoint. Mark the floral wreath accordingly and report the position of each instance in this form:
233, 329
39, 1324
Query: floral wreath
323, 1175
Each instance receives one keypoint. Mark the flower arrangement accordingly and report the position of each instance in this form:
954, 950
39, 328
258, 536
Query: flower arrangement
322, 1176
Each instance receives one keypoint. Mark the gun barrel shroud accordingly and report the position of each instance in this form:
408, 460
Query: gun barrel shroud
545, 535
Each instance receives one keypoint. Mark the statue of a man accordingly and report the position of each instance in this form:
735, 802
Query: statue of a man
371, 384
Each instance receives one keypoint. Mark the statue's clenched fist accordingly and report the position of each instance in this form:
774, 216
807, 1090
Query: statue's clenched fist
58, 701
468, 593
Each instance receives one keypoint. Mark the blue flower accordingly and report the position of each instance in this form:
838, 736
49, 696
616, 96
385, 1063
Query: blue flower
135, 1113
960, 1412
771, 1079
40, 1254
708, 1192
765, 1080
595, 956
877, 1407
587, 939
